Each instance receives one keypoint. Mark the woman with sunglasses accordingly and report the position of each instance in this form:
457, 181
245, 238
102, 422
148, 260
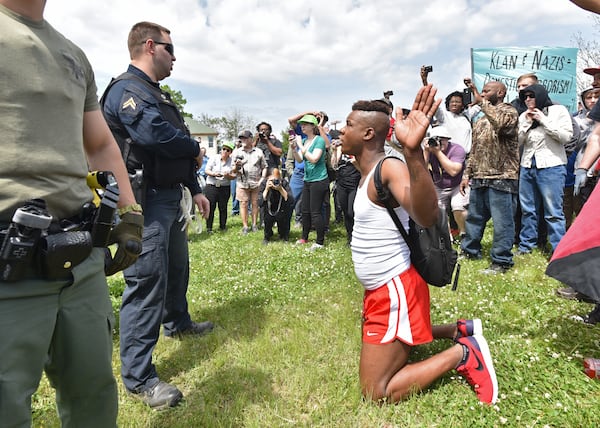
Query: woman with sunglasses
544, 129
218, 185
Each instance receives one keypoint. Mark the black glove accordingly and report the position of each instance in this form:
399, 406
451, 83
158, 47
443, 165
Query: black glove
128, 237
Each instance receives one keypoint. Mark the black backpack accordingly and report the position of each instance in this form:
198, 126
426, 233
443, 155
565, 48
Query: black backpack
431, 250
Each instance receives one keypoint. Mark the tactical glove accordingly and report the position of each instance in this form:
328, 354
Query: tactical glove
128, 237
580, 180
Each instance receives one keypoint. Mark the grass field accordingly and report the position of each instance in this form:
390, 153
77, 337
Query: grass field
286, 344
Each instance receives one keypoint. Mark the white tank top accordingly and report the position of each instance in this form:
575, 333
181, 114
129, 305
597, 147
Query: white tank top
379, 252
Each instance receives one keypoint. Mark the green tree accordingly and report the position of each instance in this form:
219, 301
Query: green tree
230, 124
178, 99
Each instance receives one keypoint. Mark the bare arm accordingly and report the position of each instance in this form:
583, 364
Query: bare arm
103, 153
451, 167
293, 120
590, 5
419, 197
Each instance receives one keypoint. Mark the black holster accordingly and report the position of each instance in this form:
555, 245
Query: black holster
62, 252
138, 186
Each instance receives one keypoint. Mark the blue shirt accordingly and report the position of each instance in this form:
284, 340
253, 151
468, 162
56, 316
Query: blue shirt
129, 103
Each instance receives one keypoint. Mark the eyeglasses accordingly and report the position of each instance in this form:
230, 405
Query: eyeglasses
226, 149
529, 96
168, 47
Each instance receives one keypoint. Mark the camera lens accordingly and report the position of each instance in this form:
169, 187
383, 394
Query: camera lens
275, 182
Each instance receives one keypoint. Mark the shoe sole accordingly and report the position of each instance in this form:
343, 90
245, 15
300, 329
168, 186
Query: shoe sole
477, 327
487, 358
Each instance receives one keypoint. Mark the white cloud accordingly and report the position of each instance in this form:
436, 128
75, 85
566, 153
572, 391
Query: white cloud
274, 58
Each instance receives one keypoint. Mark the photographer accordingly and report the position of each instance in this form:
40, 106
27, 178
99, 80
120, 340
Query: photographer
276, 203
270, 146
453, 114
218, 187
446, 162
251, 169
312, 150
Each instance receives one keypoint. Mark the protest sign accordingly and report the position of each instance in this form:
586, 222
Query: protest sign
555, 67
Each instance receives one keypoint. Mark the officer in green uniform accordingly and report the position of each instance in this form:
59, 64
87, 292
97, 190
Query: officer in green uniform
52, 129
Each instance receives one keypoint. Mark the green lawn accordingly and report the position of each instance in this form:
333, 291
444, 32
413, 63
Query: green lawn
286, 344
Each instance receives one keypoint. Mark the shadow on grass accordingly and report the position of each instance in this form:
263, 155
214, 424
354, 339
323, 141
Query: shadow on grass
215, 397
239, 319
221, 400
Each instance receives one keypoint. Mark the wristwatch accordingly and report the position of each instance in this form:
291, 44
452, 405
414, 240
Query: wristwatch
136, 208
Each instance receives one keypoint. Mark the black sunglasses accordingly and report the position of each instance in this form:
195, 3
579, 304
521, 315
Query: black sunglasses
529, 96
226, 149
168, 47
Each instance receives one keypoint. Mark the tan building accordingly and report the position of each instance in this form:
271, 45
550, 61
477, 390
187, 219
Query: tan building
207, 136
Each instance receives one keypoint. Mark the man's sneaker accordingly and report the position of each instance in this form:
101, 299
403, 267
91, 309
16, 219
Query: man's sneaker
570, 293
301, 241
244, 230
495, 268
477, 367
160, 396
315, 247
254, 228
463, 255
466, 328
195, 328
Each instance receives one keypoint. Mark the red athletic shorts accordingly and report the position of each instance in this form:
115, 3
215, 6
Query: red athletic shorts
398, 310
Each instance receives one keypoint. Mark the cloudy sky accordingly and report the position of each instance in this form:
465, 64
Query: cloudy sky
271, 59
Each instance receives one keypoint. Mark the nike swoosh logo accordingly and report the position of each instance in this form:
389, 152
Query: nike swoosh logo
371, 334
479, 363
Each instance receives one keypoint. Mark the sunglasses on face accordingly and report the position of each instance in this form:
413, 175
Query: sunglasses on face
226, 149
529, 96
168, 47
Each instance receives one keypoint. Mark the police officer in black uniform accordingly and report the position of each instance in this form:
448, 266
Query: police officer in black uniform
161, 157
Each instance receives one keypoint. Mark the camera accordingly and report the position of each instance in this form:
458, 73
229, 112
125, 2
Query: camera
239, 158
276, 181
388, 94
433, 141
428, 68
262, 135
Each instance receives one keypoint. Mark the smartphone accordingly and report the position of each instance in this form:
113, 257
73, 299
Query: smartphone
467, 97
428, 69
291, 133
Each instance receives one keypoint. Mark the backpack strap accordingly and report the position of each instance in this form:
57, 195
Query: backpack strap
385, 197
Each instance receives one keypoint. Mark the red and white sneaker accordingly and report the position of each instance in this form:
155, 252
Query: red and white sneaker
477, 367
466, 328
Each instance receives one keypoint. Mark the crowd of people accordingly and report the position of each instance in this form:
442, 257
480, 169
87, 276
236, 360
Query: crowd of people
528, 165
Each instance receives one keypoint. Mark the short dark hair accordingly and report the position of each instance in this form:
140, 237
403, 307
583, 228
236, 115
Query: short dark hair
141, 32
380, 124
450, 96
373, 105
266, 124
